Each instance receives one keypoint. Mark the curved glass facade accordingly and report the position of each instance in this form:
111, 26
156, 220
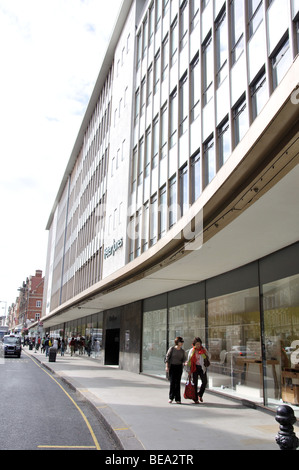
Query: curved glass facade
250, 327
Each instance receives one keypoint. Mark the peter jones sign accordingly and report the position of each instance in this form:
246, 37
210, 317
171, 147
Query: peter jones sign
111, 250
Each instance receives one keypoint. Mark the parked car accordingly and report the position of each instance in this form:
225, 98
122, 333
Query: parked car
11, 346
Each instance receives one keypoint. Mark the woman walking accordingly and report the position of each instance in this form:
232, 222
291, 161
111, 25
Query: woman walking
175, 358
197, 366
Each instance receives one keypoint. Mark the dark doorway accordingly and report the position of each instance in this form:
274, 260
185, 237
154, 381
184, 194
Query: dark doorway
112, 347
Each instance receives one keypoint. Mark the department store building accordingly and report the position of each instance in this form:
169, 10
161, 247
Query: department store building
178, 212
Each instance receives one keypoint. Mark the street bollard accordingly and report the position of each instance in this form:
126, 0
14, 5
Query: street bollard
286, 438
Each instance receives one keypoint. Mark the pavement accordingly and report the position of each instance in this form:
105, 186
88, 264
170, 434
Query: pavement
135, 409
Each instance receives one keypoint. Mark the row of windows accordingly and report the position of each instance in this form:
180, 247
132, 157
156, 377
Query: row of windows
182, 109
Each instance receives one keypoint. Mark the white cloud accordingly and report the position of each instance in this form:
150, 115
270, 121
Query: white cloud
51, 53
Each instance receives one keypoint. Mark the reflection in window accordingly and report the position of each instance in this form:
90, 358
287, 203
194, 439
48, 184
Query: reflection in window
208, 68
224, 142
209, 161
184, 105
154, 345
237, 26
153, 220
184, 190
162, 212
195, 177
195, 89
281, 62
234, 342
172, 201
281, 314
241, 121
259, 95
221, 49
173, 118
174, 43
255, 13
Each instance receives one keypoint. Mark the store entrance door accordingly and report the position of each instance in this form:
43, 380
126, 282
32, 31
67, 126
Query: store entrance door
112, 347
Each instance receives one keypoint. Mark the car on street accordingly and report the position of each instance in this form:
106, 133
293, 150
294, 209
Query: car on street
11, 346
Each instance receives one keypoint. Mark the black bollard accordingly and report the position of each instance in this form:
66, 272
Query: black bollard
286, 438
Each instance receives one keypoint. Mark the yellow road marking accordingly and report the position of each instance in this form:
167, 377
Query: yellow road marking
120, 429
97, 445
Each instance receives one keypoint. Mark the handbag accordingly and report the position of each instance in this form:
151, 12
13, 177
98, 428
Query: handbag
206, 362
189, 392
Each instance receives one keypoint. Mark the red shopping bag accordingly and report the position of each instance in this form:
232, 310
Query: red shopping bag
189, 392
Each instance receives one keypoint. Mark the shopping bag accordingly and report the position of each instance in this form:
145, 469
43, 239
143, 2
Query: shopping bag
189, 392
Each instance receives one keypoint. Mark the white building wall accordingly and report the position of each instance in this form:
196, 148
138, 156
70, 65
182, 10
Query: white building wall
118, 174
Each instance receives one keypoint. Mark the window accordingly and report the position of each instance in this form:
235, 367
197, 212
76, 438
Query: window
208, 68
240, 121
144, 37
255, 14
165, 58
38, 303
162, 212
172, 201
194, 13
138, 230
149, 92
158, 14
173, 118
165, 7
137, 105
145, 226
209, 160
237, 18
195, 89
183, 24
140, 161
164, 132
224, 142
184, 190
139, 49
174, 43
151, 24
153, 220
221, 49
131, 238
134, 169
157, 72
195, 177
259, 94
184, 105
147, 153
281, 61
142, 97
155, 142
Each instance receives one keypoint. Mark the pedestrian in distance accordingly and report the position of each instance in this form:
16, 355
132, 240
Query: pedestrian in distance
62, 348
175, 358
72, 346
198, 361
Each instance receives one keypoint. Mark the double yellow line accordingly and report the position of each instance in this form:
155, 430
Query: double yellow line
96, 443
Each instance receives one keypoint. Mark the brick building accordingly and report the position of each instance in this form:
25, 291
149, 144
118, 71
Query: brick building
31, 299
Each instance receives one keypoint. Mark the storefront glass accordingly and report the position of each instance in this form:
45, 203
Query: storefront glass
188, 321
234, 344
281, 317
154, 342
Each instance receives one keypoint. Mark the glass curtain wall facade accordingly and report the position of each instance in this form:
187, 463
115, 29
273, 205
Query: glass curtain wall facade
209, 67
249, 326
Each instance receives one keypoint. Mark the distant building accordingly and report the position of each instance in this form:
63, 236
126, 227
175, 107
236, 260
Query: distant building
30, 300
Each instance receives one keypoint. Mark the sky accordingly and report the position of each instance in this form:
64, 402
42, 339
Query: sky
51, 52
